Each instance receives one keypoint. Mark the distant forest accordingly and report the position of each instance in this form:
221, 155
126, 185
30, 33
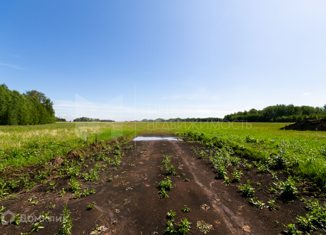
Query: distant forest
278, 113
209, 119
86, 119
30, 108
57, 119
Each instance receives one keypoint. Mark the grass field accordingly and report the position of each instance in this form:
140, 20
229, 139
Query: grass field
27, 145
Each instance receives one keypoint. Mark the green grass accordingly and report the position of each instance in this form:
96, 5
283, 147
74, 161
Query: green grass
306, 149
27, 145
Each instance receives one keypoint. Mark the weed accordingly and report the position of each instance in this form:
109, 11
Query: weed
166, 184
36, 226
63, 192
306, 223
271, 205
236, 175
247, 190
74, 185
51, 206
170, 228
66, 222
170, 215
288, 188
247, 166
171, 170
226, 181
92, 175
13, 183
272, 190
259, 204
184, 226
221, 172
185, 209
78, 194
291, 230
90, 207
32, 200
13, 197
163, 193
16, 218
186, 180
3, 191
52, 185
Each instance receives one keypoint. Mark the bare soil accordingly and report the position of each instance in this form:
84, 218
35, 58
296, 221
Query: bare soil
308, 125
130, 204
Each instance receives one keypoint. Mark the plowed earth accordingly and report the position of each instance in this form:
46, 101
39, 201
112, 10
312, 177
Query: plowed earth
130, 203
308, 125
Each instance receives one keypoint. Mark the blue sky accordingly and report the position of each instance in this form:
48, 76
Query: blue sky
129, 60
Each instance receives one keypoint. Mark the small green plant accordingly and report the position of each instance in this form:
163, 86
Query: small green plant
226, 181
184, 226
171, 170
236, 175
221, 172
166, 184
51, 206
291, 230
170, 215
92, 175
259, 204
3, 189
163, 193
36, 226
13, 197
63, 192
13, 183
247, 166
272, 190
52, 185
271, 205
66, 222
32, 200
78, 194
90, 207
170, 228
16, 219
74, 185
288, 188
185, 209
186, 180
247, 190
307, 223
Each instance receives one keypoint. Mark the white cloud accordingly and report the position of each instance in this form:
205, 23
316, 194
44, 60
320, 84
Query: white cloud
17, 56
306, 93
11, 66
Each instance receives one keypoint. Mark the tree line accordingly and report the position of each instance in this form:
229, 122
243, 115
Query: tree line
86, 119
30, 108
278, 113
58, 119
209, 119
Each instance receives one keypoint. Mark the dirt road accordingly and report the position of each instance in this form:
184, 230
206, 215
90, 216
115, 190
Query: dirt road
130, 203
